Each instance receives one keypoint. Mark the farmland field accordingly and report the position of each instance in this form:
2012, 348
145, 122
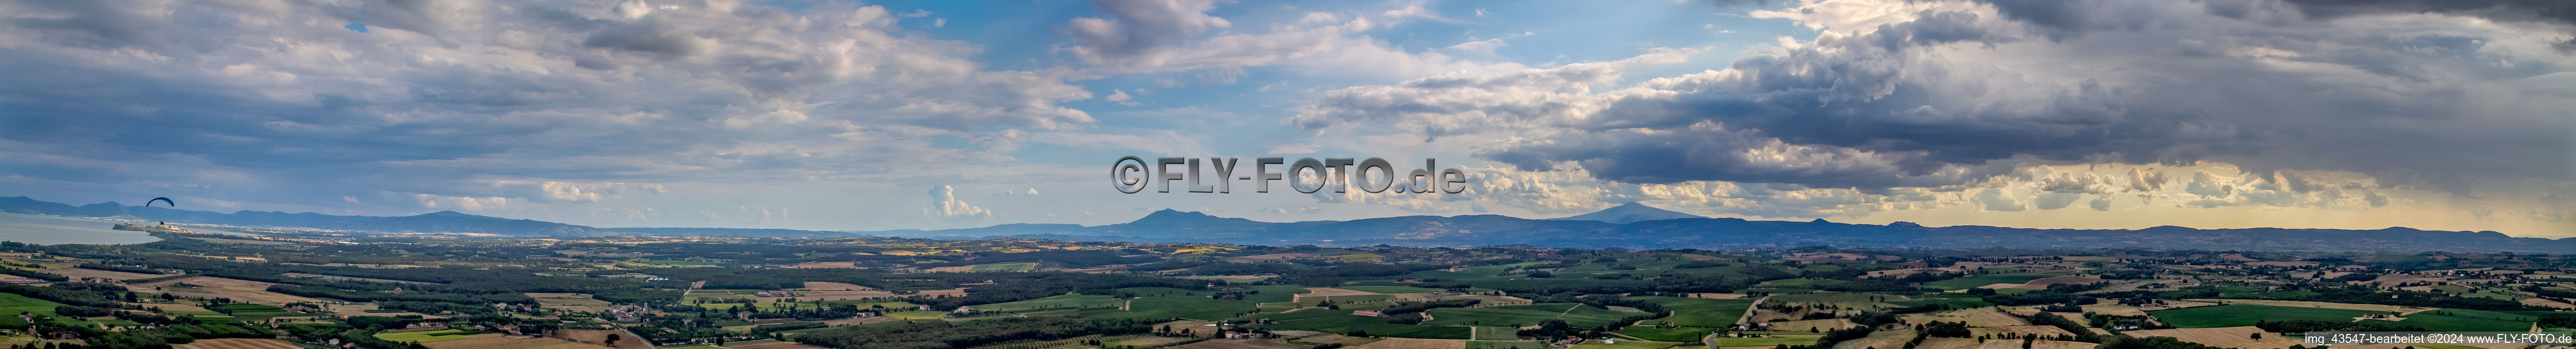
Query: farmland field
1506, 345
2234, 315
1186, 307
2224, 337
1701, 312
1677, 334
1005, 267
2467, 320
1388, 289
1972, 281
1239, 344
1836, 297
1057, 302
427, 336
1493, 333
213, 287
14, 303
661, 262
1595, 344
1765, 341
1525, 315
238, 343
1407, 343
1374, 326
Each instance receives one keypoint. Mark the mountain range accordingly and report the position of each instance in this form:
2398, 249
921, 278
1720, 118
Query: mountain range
433, 222
1629, 225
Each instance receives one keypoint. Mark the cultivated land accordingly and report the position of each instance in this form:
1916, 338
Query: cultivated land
215, 287
239, 343
77, 273
2234, 315
691, 292
2224, 337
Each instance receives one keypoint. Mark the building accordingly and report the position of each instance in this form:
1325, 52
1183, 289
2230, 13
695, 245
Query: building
1367, 313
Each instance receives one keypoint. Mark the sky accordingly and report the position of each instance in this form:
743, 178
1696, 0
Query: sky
840, 115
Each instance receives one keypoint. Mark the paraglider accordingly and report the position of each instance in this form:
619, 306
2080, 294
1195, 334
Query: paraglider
148, 203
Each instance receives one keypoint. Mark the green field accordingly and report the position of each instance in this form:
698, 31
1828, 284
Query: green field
1596, 344
1836, 297
1972, 281
1004, 267
1495, 333
1525, 315
765, 306
1070, 301
1274, 293
1159, 292
1388, 289
1500, 283
1765, 341
1804, 283
1186, 307
2468, 320
1307, 313
1378, 327
660, 262
14, 303
1506, 345
255, 312
1700, 312
427, 336
1955, 303
1347, 300
908, 315
2233, 315
1677, 334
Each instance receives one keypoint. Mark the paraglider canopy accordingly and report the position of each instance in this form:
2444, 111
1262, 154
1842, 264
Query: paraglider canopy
148, 203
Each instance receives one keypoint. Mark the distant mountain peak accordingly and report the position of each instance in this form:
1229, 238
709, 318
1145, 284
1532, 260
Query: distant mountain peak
1178, 217
459, 215
1631, 212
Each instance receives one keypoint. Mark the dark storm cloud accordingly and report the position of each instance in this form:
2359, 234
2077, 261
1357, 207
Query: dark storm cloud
1949, 96
2562, 12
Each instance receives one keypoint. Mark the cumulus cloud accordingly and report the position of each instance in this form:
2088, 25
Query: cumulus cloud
1148, 36
1934, 94
945, 206
436, 97
1122, 98
1300, 209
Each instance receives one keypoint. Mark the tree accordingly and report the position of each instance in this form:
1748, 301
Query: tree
612, 339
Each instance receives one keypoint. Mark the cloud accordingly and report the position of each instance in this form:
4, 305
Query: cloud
1930, 94
1301, 209
1995, 199
1152, 36
944, 206
444, 97
1122, 98
1480, 46
1141, 27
